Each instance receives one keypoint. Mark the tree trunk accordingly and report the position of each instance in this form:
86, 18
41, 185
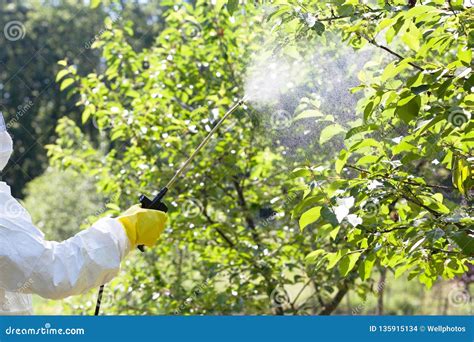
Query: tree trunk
331, 306
381, 290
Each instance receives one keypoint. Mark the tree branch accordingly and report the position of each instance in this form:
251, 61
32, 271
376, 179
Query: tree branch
435, 186
333, 304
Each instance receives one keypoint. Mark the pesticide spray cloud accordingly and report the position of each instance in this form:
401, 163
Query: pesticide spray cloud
270, 77
317, 77
270, 81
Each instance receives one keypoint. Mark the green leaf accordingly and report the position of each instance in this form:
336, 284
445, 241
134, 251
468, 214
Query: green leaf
313, 113
461, 174
310, 216
319, 27
348, 262
435, 202
220, 4
403, 146
393, 69
113, 206
464, 55
333, 258
457, 4
420, 89
329, 132
418, 10
333, 233
66, 83
361, 129
315, 256
369, 108
133, 93
366, 143
408, 108
232, 6
86, 114
300, 172
411, 40
426, 280
341, 160
465, 242
368, 160
117, 134
95, 3
402, 269
279, 12
383, 24
365, 267
61, 74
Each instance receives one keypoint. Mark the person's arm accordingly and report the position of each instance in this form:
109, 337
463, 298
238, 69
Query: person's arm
30, 264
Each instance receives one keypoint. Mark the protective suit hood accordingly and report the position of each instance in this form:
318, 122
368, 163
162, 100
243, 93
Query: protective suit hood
6, 144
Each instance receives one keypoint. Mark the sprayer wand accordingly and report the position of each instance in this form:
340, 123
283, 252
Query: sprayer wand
156, 203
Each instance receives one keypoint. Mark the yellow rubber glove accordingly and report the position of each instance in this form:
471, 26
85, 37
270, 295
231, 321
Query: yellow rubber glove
143, 226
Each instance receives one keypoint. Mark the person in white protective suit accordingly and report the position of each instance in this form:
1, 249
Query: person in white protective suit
31, 265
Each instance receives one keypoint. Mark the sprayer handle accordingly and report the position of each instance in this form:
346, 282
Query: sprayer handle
155, 204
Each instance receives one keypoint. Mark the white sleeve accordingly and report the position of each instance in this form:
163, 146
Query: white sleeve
30, 264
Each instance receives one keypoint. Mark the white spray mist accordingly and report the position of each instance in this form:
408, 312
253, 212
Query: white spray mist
279, 87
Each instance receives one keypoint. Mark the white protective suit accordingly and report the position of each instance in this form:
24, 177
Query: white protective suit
30, 264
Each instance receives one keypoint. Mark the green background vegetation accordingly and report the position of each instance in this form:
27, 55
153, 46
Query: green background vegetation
350, 194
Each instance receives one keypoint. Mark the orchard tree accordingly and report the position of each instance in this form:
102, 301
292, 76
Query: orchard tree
232, 246
34, 36
247, 234
399, 195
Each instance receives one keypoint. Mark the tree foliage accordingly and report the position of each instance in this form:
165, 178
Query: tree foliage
251, 230
60, 202
400, 192
35, 35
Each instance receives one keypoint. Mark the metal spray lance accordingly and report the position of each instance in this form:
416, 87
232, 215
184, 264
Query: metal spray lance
156, 203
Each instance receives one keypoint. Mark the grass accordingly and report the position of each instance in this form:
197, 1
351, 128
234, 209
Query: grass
401, 297
43, 306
